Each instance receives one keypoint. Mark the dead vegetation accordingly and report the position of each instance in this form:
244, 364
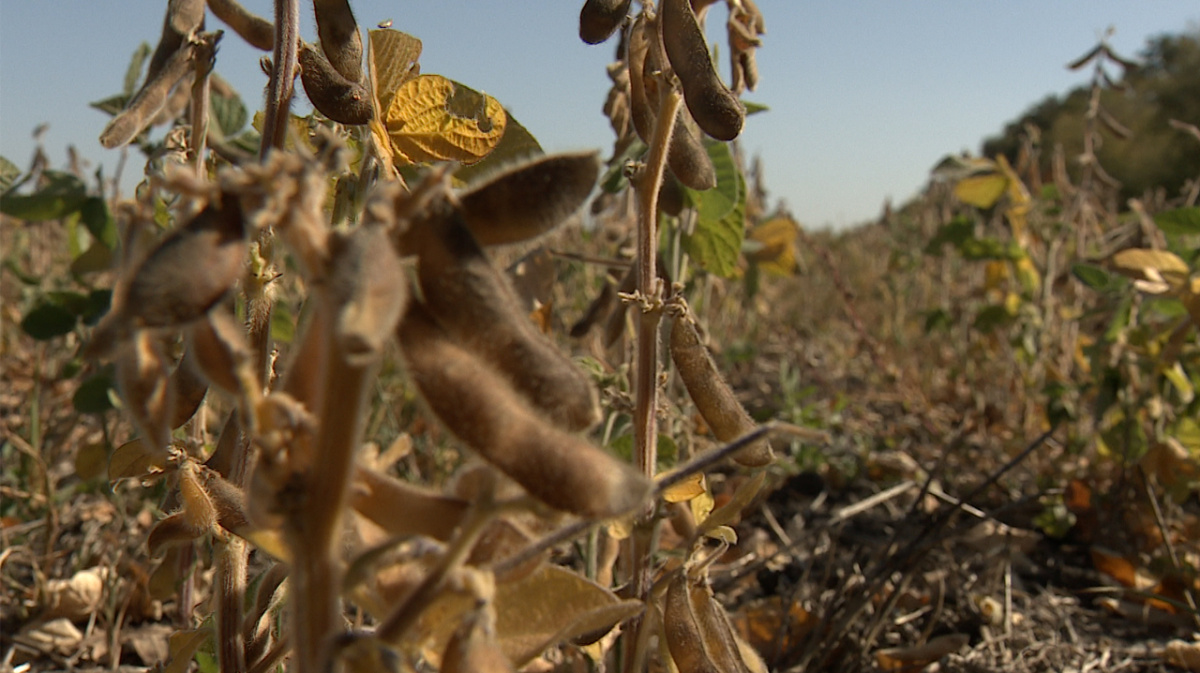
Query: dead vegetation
305, 410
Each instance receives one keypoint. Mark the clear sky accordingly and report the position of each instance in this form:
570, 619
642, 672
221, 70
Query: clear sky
865, 96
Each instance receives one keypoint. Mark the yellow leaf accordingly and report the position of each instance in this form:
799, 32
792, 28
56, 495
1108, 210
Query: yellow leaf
1028, 275
1153, 266
434, 119
394, 58
1012, 303
724, 534
737, 503
702, 506
550, 605
685, 490
778, 252
981, 191
182, 646
995, 273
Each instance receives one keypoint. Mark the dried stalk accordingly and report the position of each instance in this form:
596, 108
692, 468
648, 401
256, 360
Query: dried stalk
283, 74
206, 52
316, 527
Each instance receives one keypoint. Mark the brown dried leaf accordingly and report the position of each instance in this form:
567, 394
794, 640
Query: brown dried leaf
177, 528
136, 459
473, 647
1183, 654
404, 509
76, 598
58, 636
218, 346
551, 606
183, 645
1153, 266
143, 376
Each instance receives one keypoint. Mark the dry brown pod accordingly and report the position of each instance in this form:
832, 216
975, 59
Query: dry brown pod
143, 376
686, 156
642, 110
218, 346
483, 410
370, 290
252, 28
141, 110
530, 198
681, 630
712, 395
714, 107
475, 303
340, 40
332, 94
189, 271
599, 19
190, 388
714, 624
182, 20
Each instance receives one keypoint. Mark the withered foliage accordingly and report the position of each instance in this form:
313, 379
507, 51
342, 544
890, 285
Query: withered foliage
401, 273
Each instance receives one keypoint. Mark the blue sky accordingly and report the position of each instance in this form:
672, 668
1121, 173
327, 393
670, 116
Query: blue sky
865, 96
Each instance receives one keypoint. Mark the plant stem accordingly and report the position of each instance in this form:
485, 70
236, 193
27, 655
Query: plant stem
315, 527
283, 73
205, 53
641, 543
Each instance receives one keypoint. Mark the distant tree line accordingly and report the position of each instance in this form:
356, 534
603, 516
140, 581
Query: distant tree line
1165, 85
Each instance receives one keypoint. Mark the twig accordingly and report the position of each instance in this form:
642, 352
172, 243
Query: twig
283, 74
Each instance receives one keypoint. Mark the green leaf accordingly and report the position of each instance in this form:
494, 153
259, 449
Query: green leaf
989, 248
754, 108
98, 303
98, 257
99, 221
937, 319
133, 74
8, 174
721, 215
47, 321
75, 303
93, 396
954, 232
714, 204
716, 244
26, 278
1092, 276
667, 453
283, 325
112, 105
64, 195
229, 113
1179, 222
993, 317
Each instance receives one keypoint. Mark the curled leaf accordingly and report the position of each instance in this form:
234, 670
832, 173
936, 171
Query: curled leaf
434, 119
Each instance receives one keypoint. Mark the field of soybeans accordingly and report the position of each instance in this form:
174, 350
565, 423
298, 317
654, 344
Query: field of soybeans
388, 388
